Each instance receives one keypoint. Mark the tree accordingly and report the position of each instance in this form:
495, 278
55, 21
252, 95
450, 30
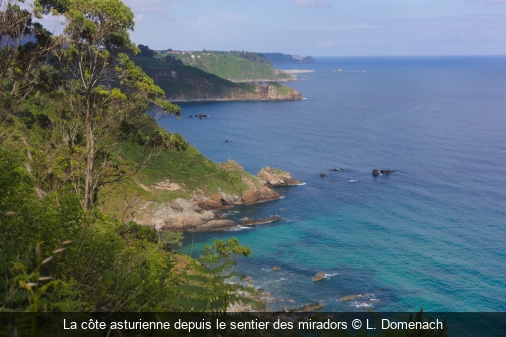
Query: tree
169, 59
102, 86
145, 51
23, 44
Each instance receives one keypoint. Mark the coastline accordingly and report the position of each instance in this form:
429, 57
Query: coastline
200, 213
210, 100
298, 71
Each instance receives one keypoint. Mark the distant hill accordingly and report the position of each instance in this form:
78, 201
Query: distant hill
185, 83
234, 66
279, 58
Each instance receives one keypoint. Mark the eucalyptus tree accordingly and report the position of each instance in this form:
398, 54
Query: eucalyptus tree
23, 44
101, 86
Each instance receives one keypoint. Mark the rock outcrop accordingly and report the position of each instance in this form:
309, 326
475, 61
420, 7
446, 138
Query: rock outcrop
272, 177
197, 214
319, 276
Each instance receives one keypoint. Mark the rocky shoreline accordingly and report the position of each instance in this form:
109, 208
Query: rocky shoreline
265, 299
200, 213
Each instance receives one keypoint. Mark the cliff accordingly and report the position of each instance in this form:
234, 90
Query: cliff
181, 190
196, 213
184, 83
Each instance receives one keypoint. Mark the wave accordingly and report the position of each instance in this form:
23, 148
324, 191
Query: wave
304, 98
353, 181
359, 305
238, 228
301, 184
328, 276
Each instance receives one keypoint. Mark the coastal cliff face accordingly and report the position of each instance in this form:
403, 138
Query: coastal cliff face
182, 84
196, 214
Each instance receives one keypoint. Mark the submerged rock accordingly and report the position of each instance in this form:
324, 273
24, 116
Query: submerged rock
322, 175
252, 222
308, 307
348, 298
319, 276
276, 269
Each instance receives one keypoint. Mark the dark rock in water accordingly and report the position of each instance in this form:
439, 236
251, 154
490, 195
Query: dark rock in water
322, 175
226, 140
191, 116
319, 276
376, 173
205, 116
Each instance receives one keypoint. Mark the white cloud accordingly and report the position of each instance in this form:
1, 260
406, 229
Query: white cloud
313, 3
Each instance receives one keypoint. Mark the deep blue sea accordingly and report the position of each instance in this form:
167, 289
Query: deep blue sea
432, 235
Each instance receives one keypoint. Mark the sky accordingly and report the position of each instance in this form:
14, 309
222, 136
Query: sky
324, 27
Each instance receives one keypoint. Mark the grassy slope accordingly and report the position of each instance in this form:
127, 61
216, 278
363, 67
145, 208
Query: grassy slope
188, 168
232, 67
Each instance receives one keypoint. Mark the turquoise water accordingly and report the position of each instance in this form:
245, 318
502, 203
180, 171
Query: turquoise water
432, 235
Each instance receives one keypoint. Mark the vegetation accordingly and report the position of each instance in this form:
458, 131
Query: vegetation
182, 82
73, 127
234, 66
68, 103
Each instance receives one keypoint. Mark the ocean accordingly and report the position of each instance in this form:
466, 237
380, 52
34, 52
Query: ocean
431, 236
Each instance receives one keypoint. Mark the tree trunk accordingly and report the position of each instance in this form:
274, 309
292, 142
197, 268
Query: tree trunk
88, 180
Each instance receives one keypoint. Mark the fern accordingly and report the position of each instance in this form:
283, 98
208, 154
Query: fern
207, 283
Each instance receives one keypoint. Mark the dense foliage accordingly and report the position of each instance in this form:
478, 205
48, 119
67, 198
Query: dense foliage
72, 124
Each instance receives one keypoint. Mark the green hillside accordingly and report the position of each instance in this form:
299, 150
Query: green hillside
233, 66
186, 83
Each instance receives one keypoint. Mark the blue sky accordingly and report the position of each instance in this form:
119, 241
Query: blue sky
325, 27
